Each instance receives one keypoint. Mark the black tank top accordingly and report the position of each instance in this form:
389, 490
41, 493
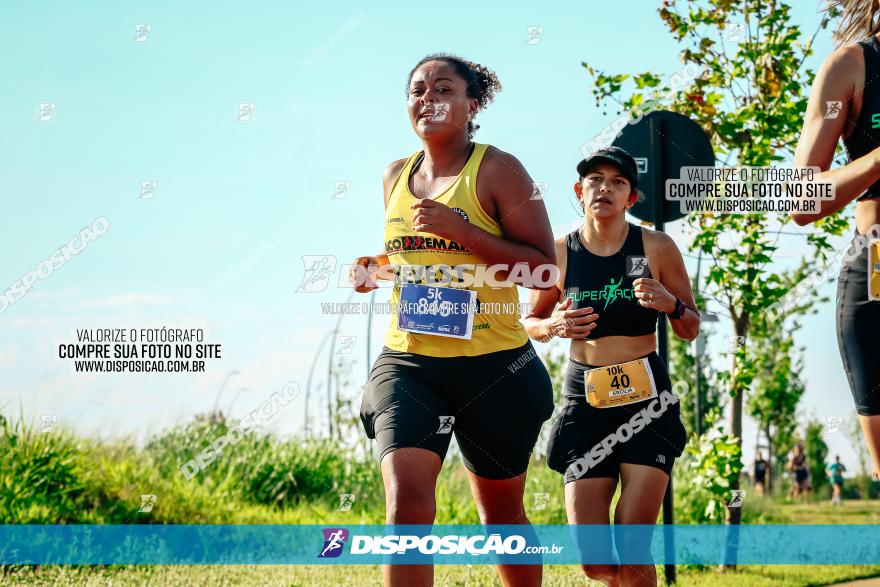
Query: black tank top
606, 284
865, 136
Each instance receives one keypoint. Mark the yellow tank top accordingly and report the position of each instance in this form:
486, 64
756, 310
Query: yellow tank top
497, 324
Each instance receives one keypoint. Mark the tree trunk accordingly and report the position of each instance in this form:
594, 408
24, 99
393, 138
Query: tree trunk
734, 428
734, 421
771, 459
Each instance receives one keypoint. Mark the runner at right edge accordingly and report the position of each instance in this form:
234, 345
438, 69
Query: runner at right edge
845, 104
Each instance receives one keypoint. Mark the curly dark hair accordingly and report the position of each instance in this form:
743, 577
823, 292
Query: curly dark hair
482, 83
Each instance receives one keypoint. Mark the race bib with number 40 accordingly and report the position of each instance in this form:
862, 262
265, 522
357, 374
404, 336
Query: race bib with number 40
621, 384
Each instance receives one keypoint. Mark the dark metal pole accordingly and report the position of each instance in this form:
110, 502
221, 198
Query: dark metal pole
369, 326
698, 408
330, 367
659, 197
309, 384
330, 377
220, 391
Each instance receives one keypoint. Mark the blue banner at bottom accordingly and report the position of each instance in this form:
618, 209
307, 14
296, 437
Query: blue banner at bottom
439, 544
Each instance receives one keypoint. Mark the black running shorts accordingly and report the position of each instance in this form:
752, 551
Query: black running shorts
590, 442
494, 404
858, 326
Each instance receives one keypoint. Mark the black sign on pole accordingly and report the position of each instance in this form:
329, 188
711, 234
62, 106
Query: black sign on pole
663, 142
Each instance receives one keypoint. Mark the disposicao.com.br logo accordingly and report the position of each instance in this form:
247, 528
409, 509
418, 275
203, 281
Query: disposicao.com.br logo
334, 540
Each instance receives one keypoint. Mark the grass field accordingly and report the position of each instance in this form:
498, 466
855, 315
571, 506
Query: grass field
362, 575
58, 477
852, 512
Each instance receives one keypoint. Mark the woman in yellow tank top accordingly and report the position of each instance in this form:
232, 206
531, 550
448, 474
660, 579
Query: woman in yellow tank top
463, 226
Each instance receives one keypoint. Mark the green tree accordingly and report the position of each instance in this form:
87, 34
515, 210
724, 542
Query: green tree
682, 367
817, 454
750, 99
709, 467
857, 440
777, 387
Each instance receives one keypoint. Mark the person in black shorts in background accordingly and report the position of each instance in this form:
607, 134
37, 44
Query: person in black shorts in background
845, 104
762, 468
800, 473
456, 203
620, 424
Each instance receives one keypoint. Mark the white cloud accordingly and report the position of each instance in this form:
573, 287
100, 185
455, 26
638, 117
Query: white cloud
63, 294
128, 299
7, 355
32, 323
272, 369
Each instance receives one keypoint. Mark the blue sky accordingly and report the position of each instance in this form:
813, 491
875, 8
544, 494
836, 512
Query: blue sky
237, 204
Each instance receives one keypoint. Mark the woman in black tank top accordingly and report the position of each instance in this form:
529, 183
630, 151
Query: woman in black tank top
845, 104
620, 422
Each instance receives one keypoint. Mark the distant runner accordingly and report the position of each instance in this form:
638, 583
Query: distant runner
800, 473
762, 469
835, 474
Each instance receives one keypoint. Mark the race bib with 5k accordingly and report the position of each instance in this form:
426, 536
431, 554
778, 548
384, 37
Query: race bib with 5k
621, 384
438, 311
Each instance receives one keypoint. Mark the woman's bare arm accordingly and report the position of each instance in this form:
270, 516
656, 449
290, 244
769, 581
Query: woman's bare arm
820, 134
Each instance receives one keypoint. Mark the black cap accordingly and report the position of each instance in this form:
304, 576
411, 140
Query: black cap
613, 156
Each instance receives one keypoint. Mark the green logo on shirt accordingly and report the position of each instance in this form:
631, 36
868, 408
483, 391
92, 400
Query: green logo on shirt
610, 293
